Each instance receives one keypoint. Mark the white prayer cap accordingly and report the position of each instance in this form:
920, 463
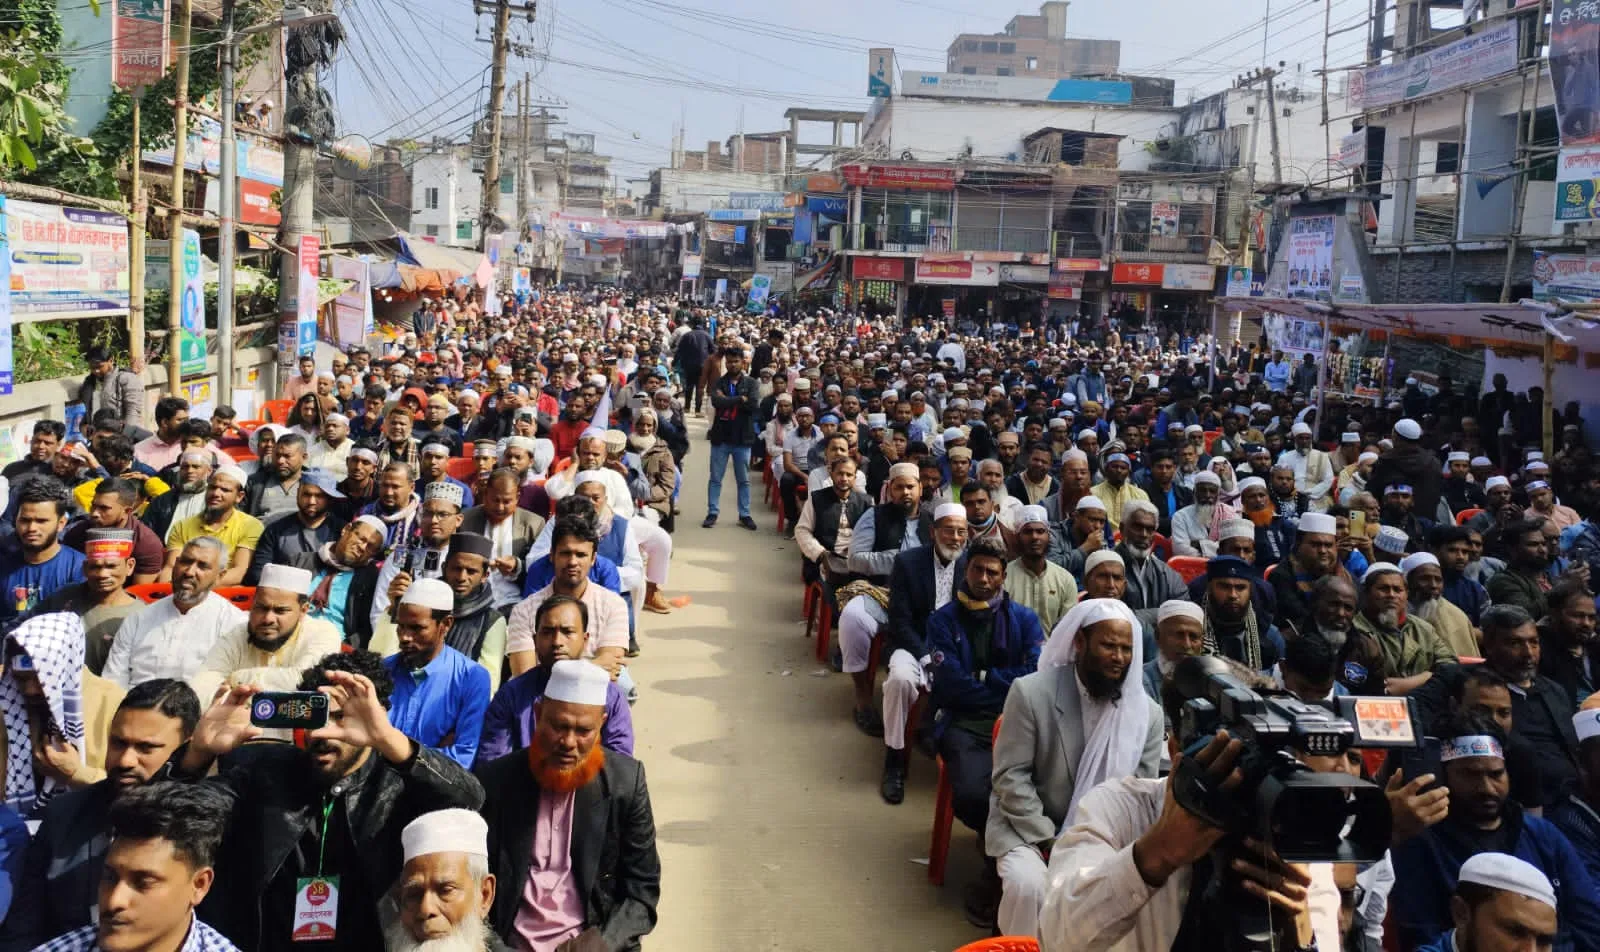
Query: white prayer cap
1300, 429
1100, 557
1367, 458
1177, 608
891, 395
1495, 482
285, 578
1089, 501
1194, 428
1377, 569
445, 831
1318, 522
469, 392
1478, 461
231, 472
1237, 529
1458, 457
578, 682
1536, 485
1537, 466
1075, 454
525, 443
904, 471
339, 418
588, 476
430, 593
1508, 874
374, 522
361, 452
1417, 560
953, 433
197, 456
950, 510
1057, 423
1386, 444
1069, 399
1586, 724
1391, 540
1207, 478
1085, 434
446, 491
434, 449
1408, 429
1030, 514
1350, 438
1535, 455
1251, 482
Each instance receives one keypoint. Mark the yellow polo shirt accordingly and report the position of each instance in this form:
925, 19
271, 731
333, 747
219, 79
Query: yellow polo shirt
239, 529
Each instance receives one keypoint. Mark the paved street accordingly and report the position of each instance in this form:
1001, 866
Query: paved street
771, 830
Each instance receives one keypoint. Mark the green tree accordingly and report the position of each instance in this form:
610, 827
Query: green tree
31, 113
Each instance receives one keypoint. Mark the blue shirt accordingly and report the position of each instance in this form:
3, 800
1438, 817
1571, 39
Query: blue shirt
24, 587
338, 595
442, 705
542, 572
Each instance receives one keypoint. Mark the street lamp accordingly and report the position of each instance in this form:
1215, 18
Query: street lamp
295, 16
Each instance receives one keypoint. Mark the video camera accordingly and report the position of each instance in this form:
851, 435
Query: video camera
1304, 815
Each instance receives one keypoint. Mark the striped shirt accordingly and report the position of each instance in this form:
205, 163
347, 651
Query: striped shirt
201, 938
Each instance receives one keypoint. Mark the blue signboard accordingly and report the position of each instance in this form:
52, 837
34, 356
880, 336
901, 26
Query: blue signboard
1104, 91
832, 206
734, 214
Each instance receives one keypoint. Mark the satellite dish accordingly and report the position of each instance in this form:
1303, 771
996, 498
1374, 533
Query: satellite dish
352, 156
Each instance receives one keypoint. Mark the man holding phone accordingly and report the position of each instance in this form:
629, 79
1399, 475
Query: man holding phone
438, 519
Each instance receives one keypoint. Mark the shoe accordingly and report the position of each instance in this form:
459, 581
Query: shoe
710, 521
633, 649
869, 722
982, 900
788, 534
658, 605
745, 522
893, 787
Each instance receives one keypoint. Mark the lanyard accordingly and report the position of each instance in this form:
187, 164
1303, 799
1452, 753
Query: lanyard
322, 844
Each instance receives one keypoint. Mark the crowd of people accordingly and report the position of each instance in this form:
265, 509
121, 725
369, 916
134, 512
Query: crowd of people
456, 539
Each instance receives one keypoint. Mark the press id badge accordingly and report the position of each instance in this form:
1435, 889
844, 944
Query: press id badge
316, 909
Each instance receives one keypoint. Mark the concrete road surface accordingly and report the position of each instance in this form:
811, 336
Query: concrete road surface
771, 830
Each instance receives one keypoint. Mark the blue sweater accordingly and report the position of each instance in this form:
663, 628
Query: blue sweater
1426, 866
1014, 645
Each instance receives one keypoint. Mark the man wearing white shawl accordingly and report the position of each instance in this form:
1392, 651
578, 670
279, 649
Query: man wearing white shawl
1081, 719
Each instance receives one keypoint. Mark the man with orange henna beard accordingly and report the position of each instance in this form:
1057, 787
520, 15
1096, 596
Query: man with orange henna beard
576, 857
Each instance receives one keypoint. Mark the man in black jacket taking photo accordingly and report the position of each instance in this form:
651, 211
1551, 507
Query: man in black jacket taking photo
734, 399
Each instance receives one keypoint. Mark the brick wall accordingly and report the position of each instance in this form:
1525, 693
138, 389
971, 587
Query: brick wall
1432, 278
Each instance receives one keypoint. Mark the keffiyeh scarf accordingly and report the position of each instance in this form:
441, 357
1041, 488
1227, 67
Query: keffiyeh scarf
55, 642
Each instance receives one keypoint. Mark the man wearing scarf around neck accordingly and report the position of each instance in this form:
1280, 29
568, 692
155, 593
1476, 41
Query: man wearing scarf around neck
344, 578
437, 519
440, 695
1233, 629
1412, 649
478, 629
978, 643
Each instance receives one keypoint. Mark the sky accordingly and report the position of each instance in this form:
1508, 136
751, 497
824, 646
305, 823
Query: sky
629, 70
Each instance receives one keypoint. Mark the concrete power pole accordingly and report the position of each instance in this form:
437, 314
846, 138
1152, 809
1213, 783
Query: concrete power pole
182, 18
490, 199
522, 155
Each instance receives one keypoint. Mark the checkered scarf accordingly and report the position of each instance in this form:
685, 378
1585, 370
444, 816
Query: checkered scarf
55, 642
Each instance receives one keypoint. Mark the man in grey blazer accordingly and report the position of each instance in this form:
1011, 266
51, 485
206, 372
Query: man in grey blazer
1049, 753
511, 529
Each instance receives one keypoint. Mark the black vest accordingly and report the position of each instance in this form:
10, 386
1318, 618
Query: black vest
825, 513
889, 526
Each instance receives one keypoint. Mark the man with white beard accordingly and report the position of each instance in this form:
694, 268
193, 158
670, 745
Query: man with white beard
1197, 528
441, 901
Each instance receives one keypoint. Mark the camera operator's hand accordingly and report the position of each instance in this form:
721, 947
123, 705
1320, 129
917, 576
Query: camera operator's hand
1285, 886
1414, 809
1179, 838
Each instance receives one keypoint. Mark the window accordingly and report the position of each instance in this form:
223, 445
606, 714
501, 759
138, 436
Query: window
990, 46
1448, 161
508, 183
1002, 71
1008, 48
1032, 63
971, 46
430, 199
464, 231
969, 70
432, 231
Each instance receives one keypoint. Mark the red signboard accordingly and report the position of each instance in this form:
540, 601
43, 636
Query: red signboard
256, 206
878, 269
1080, 264
900, 176
1136, 274
139, 44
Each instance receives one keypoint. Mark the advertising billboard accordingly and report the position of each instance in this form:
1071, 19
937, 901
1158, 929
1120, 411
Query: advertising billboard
1100, 92
66, 262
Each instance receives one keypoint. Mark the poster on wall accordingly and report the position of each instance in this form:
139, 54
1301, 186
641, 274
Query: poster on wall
6, 375
192, 347
1575, 70
1164, 219
1568, 277
66, 262
1310, 257
1293, 336
1578, 184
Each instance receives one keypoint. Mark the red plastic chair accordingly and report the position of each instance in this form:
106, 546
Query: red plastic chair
944, 815
1188, 567
1211, 437
819, 614
151, 591
277, 411
1162, 546
1466, 514
242, 596
464, 468
240, 454
1005, 943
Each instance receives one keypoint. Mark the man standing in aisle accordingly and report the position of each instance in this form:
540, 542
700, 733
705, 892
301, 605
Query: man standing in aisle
734, 399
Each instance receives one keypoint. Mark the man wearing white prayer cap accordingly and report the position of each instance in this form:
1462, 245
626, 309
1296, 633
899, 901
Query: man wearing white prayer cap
1080, 534
1197, 527
1313, 468
1031, 578
1180, 631
331, 451
223, 520
345, 578
1461, 491
438, 518
1408, 462
579, 860
441, 901
276, 643
1500, 904
1315, 556
1080, 720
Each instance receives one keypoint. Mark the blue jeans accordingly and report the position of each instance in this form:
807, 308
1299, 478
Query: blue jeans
720, 453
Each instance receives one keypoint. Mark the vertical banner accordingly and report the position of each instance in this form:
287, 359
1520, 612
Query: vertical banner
1575, 70
1164, 219
1311, 256
760, 286
352, 309
6, 374
306, 311
192, 346
139, 43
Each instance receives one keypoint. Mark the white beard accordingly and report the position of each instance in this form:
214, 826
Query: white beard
641, 444
470, 935
1203, 514
1335, 637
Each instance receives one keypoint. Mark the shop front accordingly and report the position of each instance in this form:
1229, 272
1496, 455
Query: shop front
905, 209
954, 286
1176, 297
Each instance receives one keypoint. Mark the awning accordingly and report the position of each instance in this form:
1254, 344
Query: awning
817, 279
449, 264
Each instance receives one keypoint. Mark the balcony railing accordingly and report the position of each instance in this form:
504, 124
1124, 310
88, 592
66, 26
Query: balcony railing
1139, 242
907, 238
1030, 240
1078, 244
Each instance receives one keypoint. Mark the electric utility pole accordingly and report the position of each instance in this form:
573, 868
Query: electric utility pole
180, 124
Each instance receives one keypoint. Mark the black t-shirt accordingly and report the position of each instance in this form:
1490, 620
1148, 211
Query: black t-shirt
357, 928
1532, 722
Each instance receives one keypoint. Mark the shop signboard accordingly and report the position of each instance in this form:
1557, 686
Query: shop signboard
1568, 277
900, 176
1575, 70
1164, 219
734, 214
1472, 59
1102, 92
759, 201
1578, 184
140, 47
1080, 264
1188, 277
1240, 281
1025, 273
192, 309
834, 206
257, 159
955, 271
353, 308
256, 205
66, 262
877, 269
1310, 259
880, 72
691, 266
1353, 150
1066, 286
1130, 273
